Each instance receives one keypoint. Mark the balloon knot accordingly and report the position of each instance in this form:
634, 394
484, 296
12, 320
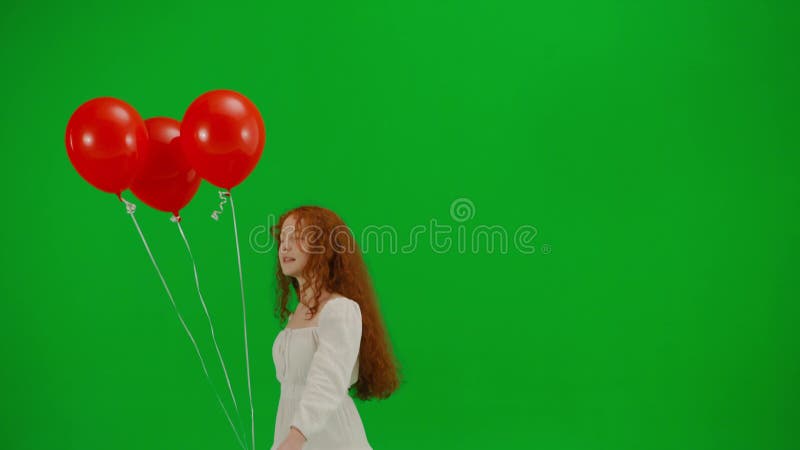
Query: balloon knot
130, 208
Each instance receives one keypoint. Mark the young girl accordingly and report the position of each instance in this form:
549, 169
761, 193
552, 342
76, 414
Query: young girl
334, 340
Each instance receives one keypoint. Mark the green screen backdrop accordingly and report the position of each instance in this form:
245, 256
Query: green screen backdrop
603, 199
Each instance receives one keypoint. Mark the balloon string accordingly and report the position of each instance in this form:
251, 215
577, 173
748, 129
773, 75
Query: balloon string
131, 210
177, 220
244, 321
223, 196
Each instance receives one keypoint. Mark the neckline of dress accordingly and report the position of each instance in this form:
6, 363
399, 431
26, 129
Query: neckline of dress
306, 328
299, 328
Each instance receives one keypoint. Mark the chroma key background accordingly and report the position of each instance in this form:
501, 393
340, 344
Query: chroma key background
653, 147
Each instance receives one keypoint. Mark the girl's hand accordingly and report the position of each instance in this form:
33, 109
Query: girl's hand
294, 441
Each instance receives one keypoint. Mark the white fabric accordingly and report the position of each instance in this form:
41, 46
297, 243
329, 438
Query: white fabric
316, 366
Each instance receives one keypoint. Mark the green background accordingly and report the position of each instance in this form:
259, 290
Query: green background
653, 145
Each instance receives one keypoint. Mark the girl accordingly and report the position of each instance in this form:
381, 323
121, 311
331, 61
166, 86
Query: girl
334, 341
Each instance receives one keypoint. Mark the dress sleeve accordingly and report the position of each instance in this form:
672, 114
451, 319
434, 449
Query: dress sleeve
332, 365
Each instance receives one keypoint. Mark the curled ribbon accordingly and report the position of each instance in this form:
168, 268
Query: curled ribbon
223, 196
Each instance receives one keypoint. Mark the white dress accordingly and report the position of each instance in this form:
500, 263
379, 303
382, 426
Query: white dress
316, 366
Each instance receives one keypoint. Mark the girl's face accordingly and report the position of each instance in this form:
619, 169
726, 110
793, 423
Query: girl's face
291, 255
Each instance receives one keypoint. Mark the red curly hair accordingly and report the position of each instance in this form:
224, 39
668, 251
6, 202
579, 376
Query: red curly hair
337, 265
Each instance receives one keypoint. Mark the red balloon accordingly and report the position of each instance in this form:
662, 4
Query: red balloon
166, 182
223, 135
106, 141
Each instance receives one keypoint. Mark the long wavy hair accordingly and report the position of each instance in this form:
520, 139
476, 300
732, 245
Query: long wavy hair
336, 264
